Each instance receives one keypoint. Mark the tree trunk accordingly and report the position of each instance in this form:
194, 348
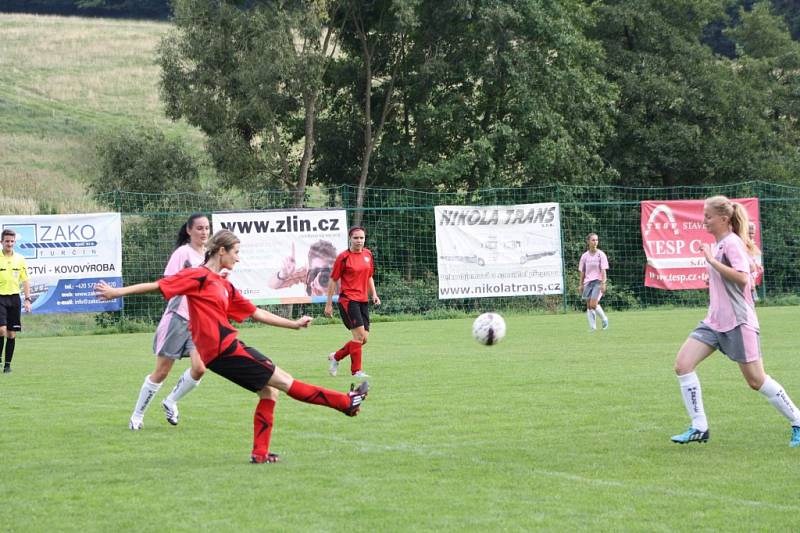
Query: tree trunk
308, 149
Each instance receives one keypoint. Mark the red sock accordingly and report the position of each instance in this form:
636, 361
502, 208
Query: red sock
355, 357
342, 352
262, 426
317, 395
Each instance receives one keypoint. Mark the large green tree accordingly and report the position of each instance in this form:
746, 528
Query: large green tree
488, 93
685, 115
249, 74
375, 36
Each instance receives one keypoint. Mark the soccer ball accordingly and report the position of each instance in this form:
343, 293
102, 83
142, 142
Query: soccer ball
489, 328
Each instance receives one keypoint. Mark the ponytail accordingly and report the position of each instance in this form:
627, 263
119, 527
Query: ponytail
183, 233
740, 223
737, 215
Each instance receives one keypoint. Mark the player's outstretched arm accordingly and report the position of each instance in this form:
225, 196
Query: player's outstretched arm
265, 317
104, 291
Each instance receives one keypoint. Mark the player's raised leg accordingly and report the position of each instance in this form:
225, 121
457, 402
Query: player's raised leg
775, 394
349, 403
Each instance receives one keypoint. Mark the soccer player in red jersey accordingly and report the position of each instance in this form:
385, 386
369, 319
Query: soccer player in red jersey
353, 270
213, 302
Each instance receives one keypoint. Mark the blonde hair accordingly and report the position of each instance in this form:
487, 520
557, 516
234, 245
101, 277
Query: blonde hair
737, 216
222, 239
752, 248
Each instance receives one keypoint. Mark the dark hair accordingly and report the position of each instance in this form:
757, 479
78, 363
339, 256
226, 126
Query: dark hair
323, 250
183, 233
10, 232
222, 239
356, 228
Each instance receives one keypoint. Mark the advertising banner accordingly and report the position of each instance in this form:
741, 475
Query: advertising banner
489, 251
66, 255
672, 232
285, 256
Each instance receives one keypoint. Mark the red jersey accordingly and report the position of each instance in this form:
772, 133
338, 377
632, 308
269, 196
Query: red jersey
212, 302
354, 270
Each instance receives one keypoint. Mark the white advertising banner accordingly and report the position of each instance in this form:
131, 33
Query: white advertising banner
490, 251
285, 256
66, 255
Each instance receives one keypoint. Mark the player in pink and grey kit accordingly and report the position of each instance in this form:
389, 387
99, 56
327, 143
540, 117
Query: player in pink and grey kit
593, 267
173, 339
731, 325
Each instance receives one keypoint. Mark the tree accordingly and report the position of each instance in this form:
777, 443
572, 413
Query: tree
143, 160
685, 116
374, 36
487, 93
768, 64
249, 74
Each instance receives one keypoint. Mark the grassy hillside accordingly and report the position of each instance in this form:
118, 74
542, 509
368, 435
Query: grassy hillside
63, 82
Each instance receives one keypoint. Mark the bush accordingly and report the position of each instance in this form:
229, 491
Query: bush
143, 160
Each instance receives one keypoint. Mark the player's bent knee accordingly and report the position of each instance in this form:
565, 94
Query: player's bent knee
269, 393
755, 386
159, 375
755, 382
280, 380
682, 368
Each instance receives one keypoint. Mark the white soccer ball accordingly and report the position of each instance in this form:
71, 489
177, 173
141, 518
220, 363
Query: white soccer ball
489, 328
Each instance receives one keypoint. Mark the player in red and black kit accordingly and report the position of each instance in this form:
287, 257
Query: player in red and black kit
353, 269
213, 302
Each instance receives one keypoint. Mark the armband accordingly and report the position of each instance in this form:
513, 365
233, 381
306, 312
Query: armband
27, 299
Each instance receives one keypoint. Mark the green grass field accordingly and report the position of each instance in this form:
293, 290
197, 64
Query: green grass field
554, 428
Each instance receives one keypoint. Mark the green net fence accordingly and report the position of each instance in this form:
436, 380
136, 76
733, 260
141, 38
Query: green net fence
401, 234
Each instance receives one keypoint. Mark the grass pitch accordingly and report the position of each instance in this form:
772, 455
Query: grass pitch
555, 428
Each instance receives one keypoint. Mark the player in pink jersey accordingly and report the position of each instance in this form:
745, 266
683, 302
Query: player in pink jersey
756, 260
593, 268
731, 325
173, 340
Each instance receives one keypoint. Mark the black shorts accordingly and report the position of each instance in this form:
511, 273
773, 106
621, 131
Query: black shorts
10, 309
245, 366
354, 314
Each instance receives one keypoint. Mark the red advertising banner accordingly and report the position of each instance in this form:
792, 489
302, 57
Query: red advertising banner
672, 232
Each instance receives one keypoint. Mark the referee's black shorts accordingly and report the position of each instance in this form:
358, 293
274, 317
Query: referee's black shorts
10, 310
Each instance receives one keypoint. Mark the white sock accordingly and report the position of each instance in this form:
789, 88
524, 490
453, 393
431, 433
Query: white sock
601, 314
693, 400
592, 320
780, 400
146, 394
184, 386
